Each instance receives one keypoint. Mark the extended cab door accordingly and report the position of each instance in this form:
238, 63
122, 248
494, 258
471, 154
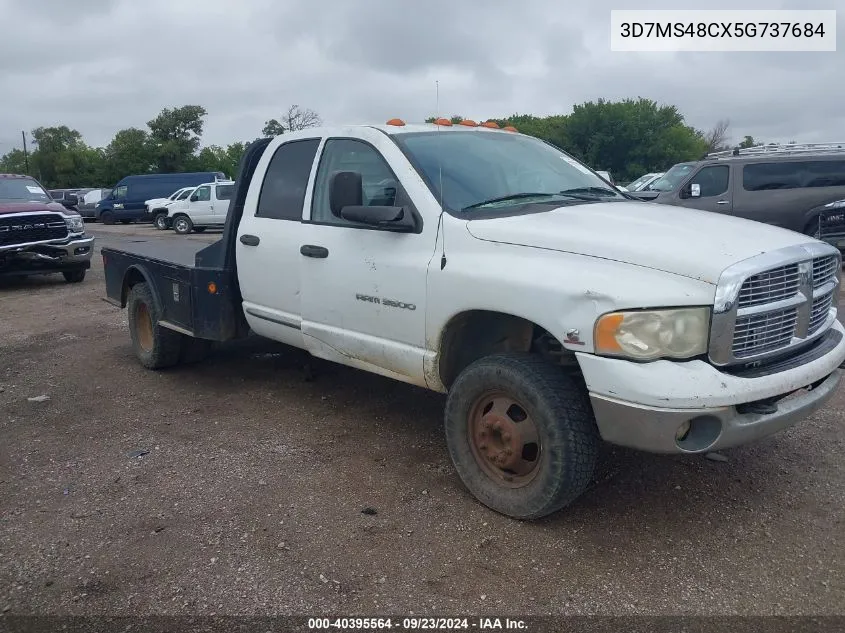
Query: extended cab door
269, 238
364, 287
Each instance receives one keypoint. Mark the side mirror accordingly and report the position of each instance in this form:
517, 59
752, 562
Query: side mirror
345, 190
389, 218
695, 190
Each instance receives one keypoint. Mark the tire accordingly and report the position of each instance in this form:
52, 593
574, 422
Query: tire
156, 347
107, 218
160, 221
549, 473
75, 276
199, 229
182, 224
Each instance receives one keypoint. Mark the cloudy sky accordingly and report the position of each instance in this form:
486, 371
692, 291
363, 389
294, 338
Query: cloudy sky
103, 65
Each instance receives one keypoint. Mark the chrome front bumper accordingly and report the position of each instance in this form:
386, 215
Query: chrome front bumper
73, 252
657, 430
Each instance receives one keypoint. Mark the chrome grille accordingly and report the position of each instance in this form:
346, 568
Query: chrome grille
771, 285
773, 302
760, 333
824, 270
818, 315
26, 228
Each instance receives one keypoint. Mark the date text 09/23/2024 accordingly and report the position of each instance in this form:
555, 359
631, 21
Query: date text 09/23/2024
417, 624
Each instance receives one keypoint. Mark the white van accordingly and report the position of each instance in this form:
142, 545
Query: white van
207, 206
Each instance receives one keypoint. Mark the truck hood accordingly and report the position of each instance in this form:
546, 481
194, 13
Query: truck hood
695, 244
32, 207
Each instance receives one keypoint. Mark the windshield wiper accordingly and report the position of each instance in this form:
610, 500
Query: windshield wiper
513, 196
591, 192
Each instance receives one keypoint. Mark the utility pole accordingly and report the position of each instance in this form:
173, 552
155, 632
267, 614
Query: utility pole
25, 156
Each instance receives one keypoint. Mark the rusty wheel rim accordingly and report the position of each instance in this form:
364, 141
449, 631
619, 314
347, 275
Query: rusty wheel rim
504, 439
144, 326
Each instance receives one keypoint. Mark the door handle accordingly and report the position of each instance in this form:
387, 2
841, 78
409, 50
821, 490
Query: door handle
722, 202
309, 250
250, 240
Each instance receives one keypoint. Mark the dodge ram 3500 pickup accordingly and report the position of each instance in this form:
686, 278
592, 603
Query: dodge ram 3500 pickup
38, 235
554, 311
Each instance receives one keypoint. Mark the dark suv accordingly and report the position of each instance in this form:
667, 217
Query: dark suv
785, 185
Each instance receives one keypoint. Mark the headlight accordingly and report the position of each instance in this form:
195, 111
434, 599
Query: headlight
75, 224
837, 204
650, 334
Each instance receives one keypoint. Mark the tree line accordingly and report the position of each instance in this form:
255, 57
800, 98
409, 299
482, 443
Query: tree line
628, 138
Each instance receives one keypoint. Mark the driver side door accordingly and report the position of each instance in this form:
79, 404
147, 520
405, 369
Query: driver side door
200, 205
363, 286
713, 183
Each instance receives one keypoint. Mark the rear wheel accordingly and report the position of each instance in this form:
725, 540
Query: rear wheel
74, 276
107, 217
182, 224
160, 221
156, 347
521, 434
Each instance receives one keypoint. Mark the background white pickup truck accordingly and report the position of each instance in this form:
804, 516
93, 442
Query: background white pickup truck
552, 309
207, 205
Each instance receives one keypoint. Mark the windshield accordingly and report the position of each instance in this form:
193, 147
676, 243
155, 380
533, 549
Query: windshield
22, 190
184, 194
672, 178
498, 169
639, 182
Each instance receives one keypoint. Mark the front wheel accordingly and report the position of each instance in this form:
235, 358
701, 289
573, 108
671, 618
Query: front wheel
74, 276
521, 434
182, 224
160, 221
107, 218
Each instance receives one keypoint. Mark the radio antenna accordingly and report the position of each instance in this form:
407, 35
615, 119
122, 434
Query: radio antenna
440, 221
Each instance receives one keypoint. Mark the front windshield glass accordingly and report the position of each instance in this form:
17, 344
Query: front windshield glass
672, 179
638, 182
22, 190
184, 194
499, 169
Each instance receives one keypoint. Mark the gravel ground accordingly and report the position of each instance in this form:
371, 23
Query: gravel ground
236, 487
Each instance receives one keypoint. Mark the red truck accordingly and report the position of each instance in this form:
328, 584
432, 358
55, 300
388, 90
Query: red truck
38, 235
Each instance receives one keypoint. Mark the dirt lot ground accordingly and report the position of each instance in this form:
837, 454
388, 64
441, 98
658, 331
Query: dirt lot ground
236, 487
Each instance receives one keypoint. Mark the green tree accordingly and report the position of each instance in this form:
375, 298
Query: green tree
129, 152
59, 156
175, 136
15, 163
216, 158
749, 141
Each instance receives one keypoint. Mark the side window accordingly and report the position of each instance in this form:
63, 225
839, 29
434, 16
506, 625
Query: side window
224, 192
794, 175
120, 192
203, 194
378, 181
286, 181
713, 180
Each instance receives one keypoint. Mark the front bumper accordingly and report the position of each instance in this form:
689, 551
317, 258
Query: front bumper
43, 257
692, 407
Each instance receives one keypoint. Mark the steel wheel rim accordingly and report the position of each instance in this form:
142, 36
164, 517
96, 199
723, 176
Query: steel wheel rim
144, 326
504, 439
160, 223
181, 225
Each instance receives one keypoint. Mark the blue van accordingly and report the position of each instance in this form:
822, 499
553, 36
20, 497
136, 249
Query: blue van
125, 203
